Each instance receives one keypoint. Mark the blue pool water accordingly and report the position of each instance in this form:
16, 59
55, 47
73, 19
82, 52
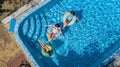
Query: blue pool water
86, 44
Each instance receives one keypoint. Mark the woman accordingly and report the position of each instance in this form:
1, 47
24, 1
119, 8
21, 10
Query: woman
46, 48
53, 31
69, 18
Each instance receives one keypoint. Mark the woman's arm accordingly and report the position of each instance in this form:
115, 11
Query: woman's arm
78, 19
61, 33
48, 25
62, 12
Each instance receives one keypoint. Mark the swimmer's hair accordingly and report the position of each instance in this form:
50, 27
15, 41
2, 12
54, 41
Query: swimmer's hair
57, 25
49, 53
72, 12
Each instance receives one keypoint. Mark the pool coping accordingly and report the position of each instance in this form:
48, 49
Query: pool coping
16, 34
111, 57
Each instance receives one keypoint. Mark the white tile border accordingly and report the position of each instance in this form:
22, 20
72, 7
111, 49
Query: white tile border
21, 44
111, 57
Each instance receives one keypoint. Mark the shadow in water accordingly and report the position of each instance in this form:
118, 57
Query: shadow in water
79, 14
57, 43
66, 29
77, 60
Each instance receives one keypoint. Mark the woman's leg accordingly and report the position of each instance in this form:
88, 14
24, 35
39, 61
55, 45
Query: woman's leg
49, 32
43, 45
65, 24
50, 37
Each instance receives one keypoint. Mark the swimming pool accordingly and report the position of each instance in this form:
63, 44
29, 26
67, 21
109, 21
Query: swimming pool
86, 44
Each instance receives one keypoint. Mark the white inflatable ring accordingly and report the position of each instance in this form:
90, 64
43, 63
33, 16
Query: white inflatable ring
64, 19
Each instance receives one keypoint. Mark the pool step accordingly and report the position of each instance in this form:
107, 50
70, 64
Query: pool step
32, 27
43, 28
26, 27
38, 29
37, 22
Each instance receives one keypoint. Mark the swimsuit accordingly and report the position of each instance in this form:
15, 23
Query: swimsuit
52, 28
69, 18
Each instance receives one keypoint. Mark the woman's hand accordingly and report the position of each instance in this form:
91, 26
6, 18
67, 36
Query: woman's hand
62, 12
78, 19
45, 25
62, 35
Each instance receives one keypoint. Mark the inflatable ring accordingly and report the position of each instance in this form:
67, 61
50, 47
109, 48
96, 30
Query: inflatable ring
56, 36
64, 19
44, 53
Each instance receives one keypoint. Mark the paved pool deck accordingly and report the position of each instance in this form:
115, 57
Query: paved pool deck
9, 48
